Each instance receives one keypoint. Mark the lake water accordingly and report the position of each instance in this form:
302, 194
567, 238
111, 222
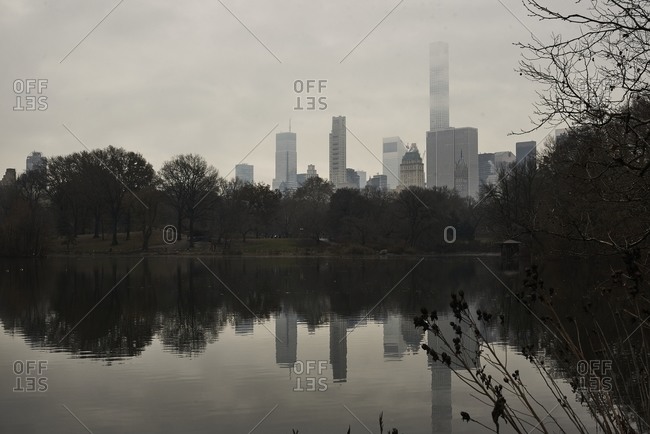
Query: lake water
264, 345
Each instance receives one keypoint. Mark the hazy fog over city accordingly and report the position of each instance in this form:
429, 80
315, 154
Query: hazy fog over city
216, 77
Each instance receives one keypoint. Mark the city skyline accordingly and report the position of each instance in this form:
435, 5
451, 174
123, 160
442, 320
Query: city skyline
205, 112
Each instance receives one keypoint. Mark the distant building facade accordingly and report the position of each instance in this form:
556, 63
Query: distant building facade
301, 178
33, 160
351, 178
311, 171
411, 170
363, 178
380, 182
337, 149
285, 162
526, 150
485, 166
244, 172
393, 151
452, 160
9, 177
490, 163
504, 159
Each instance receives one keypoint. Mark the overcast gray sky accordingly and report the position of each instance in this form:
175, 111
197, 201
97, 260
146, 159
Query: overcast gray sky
165, 78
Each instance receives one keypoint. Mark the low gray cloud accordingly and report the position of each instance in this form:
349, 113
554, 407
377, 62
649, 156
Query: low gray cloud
171, 78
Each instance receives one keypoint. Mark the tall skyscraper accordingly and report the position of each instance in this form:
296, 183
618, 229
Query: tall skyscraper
452, 160
393, 151
338, 348
441, 409
337, 152
286, 344
526, 150
394, 344
244, 172
438, 85
452, 153
285, 162
411, 170
33, 160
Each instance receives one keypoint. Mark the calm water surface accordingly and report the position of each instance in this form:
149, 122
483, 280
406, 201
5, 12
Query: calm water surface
197, 345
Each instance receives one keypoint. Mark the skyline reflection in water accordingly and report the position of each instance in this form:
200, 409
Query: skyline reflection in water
119, 367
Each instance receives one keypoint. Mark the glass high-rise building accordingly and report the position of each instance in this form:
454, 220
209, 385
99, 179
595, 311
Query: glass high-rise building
526, 150
286, 162
244, 172
337, 152
393, 152
485, 166
439, 85
452, 160
452, 153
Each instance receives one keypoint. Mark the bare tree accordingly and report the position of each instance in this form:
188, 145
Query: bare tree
123, 172
191, 186
598, 76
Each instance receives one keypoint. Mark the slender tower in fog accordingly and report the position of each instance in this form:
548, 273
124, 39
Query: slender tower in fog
337, 152
438, 85
285, 162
